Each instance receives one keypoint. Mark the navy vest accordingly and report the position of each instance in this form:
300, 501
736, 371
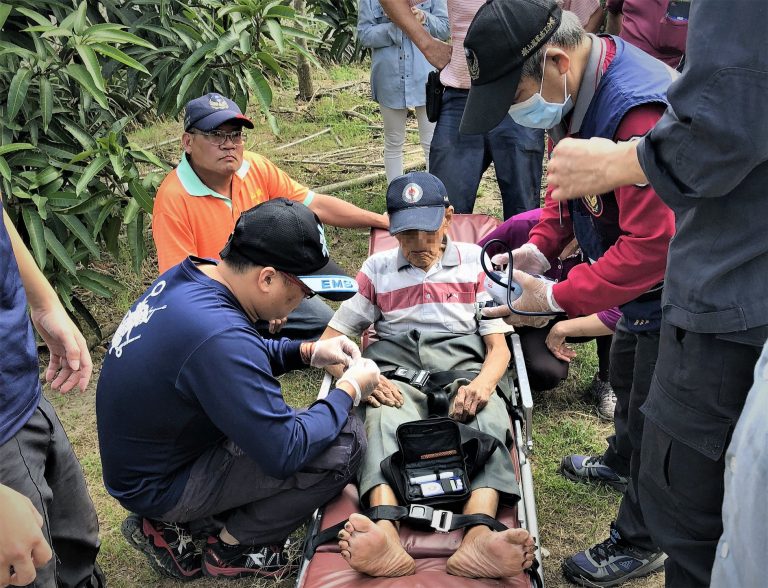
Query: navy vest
632, 78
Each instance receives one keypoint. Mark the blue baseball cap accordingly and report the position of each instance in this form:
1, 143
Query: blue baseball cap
416, 201
211, 111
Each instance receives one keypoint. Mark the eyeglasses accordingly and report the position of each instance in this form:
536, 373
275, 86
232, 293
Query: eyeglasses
220, 137
294, 280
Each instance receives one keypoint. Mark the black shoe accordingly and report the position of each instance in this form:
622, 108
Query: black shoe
590, 468
612, 562
238, 561
169, 547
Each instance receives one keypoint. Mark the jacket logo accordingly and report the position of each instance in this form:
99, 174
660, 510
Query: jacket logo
135, 318
594, 204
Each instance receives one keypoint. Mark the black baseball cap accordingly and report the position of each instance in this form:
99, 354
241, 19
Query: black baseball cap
211, 111
287, 236
503, 34
416, 201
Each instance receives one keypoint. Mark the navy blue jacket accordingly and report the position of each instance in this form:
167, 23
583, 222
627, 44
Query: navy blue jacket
707, 158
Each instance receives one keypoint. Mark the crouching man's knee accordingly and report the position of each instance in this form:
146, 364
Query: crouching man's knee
343, 457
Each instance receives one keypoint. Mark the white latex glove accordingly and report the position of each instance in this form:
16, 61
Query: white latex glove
363, 375
536, 297
334, 350
526, 258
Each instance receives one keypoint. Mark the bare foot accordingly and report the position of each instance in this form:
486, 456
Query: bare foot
374, 549
487, 554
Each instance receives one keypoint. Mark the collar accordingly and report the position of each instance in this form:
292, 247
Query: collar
593, 73
194, 186
450, 257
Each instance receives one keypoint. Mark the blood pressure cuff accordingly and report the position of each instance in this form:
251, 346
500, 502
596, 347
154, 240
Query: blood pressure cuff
436, 460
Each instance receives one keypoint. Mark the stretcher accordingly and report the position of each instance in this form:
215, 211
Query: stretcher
323, 566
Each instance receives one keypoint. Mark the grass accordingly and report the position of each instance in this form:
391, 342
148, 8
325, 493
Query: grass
571, 516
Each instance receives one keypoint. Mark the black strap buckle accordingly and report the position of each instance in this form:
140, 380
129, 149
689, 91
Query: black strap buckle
439, 520
416, 378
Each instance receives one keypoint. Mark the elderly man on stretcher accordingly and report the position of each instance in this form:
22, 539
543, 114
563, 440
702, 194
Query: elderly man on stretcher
422, 300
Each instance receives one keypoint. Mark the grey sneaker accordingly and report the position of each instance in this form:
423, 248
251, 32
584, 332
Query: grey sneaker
585, 468
612, 562
603, 393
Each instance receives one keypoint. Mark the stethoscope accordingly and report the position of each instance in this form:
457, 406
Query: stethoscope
512, 289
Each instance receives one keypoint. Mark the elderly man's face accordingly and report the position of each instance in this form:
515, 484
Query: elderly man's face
423, 248
224, 159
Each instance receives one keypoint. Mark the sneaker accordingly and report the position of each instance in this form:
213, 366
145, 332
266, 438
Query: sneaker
237, 561
584, 468
169, 547
602, 392
611, 563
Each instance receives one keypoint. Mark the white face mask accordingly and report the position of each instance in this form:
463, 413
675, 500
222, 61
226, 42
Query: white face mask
537, 113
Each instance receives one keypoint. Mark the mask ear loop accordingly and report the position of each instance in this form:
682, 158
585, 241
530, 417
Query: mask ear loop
565, 80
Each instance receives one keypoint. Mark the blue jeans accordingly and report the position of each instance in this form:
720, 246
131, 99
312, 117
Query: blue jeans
460, 160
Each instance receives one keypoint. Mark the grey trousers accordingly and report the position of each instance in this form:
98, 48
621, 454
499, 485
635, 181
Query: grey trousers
228, 489
39, 463
434, 352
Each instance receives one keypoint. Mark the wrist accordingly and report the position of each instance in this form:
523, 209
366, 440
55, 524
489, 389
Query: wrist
306, 350
352, 389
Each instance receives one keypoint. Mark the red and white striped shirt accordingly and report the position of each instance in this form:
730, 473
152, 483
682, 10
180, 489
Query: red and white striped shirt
396, 297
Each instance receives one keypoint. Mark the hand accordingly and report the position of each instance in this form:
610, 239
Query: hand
470, 400
556, 342
526, 258
276, 325
70, 362
420, 15
386, 393
592, 166
334, 351
533, 299
22, 544
438, 53
365, 373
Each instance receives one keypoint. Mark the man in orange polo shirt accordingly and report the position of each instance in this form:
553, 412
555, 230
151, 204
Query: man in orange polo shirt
198, 203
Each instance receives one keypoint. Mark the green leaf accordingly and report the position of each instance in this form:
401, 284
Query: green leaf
58, 251
130, 211
141, 195
86, 315
11, 147
91, 62
17, 93
82, 75
270, 62
259, 85
103, 279
78, 133
90, 172
110, 233
103, 214
77, 228
276, 32
226, 42
280, 11
46, 102
117, 55
34, 225
192, 60
5, 170
31, 14
136, 244
119, 37
15, 49
93, 285
5, 10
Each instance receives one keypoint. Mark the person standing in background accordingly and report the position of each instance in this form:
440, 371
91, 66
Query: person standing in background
458, 159
658, 27
589, 12
399, 73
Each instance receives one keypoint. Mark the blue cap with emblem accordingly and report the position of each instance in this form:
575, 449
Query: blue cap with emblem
416, 201
211, 111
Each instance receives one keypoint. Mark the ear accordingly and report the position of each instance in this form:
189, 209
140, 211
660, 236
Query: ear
264, 278
186, 142
448, 216
560, 59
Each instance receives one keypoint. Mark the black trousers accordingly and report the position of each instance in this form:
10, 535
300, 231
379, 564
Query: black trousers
633, 359
38, 462
698, 392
